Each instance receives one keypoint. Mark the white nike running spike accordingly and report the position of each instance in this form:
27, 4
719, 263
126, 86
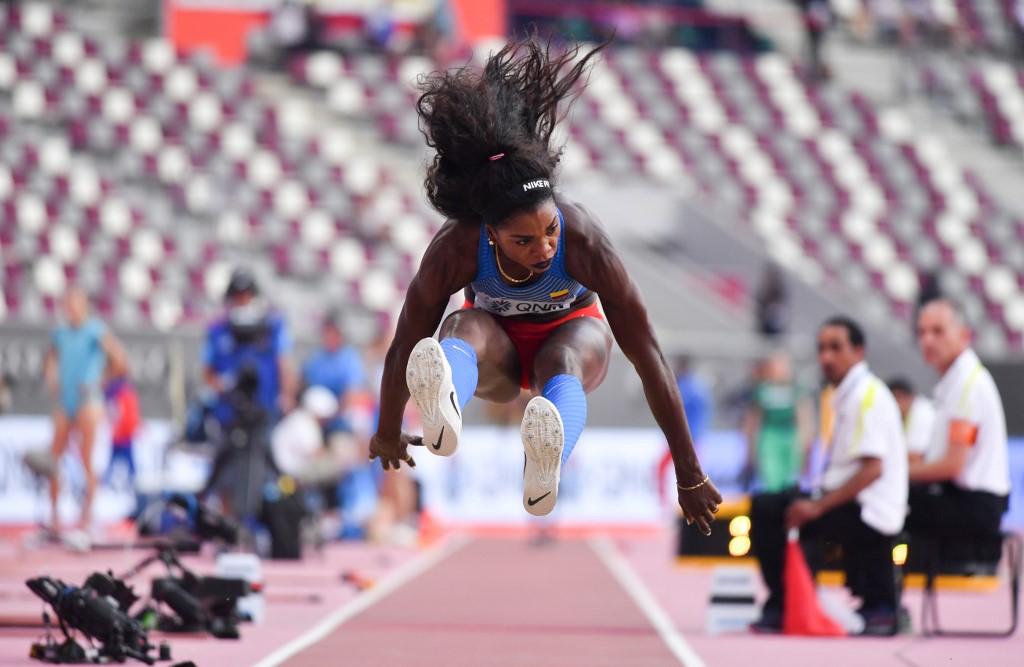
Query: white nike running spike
543, 440
429, 378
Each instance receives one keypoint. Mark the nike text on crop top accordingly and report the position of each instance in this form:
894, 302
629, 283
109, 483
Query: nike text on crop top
554, 292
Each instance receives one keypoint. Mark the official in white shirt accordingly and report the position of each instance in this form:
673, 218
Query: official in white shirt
961, 489
918, 417
863, 499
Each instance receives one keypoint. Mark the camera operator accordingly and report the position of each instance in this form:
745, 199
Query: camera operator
252, 333
246, 363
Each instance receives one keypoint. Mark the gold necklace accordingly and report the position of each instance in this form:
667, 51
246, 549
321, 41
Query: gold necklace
507, 277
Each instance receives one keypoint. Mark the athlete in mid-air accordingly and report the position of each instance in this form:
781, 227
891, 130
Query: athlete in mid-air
533, 266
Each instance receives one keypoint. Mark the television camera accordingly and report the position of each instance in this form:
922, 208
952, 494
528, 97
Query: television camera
99, 610
200, 604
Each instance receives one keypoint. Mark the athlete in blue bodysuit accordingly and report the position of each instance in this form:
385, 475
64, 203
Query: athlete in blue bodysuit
532, 265
80, 351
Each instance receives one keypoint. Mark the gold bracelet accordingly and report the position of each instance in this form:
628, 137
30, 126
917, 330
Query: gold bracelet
695, 486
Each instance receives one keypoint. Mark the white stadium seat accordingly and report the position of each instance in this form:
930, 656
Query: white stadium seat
31, 213
146, 135
29, 100
237, 141
8, 72
290, 199
54, 155
134, 279
348, 258
181, 84
317, 229
68, 49
91, 76
165, 310
115, 217
323, 68
65, 244
147, 247
158, 56
37, 19
378, 291
49, 276
118, 106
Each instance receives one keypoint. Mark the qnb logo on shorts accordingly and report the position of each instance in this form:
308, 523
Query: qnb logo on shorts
539, 183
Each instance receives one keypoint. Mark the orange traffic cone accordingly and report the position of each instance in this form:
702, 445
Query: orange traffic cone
801, 614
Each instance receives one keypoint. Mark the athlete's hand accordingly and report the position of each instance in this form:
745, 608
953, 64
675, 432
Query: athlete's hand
700, 505
391, 452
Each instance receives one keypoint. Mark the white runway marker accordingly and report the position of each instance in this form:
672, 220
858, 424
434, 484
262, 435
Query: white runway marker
403, 575
614, 561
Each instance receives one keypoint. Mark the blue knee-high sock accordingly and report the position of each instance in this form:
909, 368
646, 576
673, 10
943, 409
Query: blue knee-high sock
462, 358
566, 392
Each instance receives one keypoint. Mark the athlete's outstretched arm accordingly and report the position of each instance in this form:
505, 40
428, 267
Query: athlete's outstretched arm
448, 265
594, 262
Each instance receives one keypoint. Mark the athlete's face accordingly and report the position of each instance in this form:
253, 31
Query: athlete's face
836, 354
76, 307
941, 335
528, 241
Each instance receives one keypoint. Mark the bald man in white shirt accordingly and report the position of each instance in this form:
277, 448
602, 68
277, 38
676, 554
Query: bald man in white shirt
961, 489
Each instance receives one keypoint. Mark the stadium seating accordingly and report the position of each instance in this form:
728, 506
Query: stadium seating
121, 156
140, 173
839, 191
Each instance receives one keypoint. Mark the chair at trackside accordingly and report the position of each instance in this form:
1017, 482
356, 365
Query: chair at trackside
943, 557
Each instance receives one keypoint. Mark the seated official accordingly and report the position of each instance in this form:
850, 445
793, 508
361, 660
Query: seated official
862, 503
960, 490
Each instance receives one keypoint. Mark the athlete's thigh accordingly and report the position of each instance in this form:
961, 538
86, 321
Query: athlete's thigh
580, 347
61, 433
86, 421
496, 355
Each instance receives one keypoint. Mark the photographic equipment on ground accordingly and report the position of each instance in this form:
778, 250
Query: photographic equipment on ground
99, 610
206, 523
198, 603
186, 523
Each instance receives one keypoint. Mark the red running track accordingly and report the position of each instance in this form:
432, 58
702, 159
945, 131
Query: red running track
501, 602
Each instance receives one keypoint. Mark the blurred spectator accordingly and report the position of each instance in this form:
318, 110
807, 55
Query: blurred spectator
6, 392
862, 501
338, 367
699, 406
771, 303
397, 515
918, 417
817, 17
80, 349
698, 403
929, 290
252, 335
123, 415
1018, 29
778, 426
888, 19
297, 441
293, 27
961, 488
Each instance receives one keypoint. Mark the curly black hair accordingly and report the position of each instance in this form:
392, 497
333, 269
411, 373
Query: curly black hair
507, 109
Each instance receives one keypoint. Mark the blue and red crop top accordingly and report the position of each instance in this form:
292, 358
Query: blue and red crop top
555, 291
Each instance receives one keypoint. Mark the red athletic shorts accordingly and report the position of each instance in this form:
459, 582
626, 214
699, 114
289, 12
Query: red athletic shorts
528, 336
